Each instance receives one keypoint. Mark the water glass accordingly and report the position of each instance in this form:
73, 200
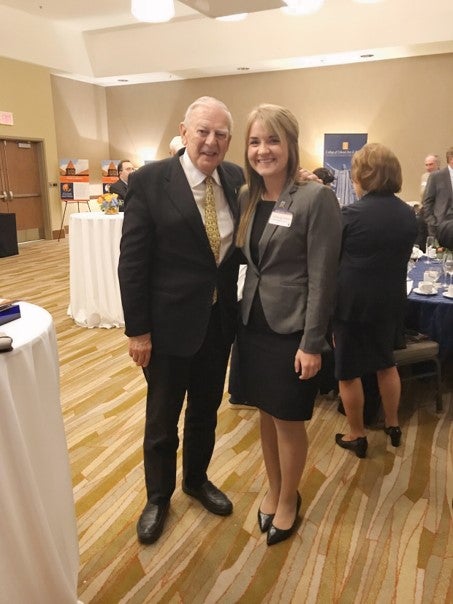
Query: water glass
431, 247
448, 266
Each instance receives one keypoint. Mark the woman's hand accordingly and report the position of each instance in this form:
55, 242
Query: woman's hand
306, 364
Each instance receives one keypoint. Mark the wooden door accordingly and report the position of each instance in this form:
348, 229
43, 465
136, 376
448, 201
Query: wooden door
20, 187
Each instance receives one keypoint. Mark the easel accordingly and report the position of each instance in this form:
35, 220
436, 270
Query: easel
78, 202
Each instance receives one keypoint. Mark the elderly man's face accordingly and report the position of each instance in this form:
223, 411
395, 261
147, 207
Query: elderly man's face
206, 137
430, 164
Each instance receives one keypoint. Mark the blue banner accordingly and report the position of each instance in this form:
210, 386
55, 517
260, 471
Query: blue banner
338, 152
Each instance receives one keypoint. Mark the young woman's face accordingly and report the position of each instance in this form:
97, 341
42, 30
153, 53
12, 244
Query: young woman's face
267, 153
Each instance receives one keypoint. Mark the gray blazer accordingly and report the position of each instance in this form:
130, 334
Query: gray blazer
296, 273
438, 199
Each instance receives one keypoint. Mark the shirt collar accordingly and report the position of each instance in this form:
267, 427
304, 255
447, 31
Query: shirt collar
194, 176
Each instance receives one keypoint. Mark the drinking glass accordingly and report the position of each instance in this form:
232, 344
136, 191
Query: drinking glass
448, 266
431, 247
415, 254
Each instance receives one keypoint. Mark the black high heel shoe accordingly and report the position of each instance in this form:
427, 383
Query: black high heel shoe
395, 435
358, 445
264, 521
275, 535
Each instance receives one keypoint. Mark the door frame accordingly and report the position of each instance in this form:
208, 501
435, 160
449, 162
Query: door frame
43, 180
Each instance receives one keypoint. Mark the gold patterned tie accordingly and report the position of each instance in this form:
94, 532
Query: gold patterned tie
210, 224
210, 219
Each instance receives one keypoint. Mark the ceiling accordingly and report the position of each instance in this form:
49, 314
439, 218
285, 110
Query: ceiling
99, 41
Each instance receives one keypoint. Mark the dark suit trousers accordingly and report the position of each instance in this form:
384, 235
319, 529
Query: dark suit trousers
202, 377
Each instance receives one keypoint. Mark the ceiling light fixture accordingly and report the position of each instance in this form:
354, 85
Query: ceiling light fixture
302, 7
153, 11
236, 17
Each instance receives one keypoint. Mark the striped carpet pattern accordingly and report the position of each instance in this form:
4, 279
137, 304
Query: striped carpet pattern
377, 530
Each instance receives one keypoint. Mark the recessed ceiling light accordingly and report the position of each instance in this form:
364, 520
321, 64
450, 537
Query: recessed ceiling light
236, 17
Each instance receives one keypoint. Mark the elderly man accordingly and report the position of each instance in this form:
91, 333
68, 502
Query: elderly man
438, 196
125, 168
178, 272
432, 164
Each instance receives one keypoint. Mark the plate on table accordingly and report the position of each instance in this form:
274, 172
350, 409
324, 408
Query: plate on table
420, 293
447, 295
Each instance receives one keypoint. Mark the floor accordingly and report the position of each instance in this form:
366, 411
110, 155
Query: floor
377, 530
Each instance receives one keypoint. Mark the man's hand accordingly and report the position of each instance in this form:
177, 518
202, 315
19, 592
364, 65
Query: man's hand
307, 365
140, 349
306, 175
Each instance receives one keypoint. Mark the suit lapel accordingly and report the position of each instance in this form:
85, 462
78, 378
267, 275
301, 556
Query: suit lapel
181, 196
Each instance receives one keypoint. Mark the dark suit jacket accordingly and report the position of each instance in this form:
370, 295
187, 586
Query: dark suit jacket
298, 264
120, 188
167, 270
438, 199
378, 234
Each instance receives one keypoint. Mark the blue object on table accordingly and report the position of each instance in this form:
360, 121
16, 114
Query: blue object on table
432, 314
10, 314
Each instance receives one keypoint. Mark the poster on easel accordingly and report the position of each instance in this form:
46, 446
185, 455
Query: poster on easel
74, 180
109, 171
338, 152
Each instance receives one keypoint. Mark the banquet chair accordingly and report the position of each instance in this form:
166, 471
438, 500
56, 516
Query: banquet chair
417, 352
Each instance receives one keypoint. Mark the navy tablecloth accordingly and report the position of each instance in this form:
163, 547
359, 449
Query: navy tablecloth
432, 315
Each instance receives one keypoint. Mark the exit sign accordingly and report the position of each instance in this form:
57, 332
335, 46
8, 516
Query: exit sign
6, 118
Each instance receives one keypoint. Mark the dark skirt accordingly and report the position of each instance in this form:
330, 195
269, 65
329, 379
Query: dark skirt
266, 361
362, 348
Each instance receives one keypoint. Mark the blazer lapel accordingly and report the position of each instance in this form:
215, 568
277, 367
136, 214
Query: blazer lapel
285, 201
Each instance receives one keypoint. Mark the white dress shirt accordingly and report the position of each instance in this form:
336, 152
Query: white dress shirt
196, 180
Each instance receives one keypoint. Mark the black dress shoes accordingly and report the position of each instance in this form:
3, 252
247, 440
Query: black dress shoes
151, 522
264, 521
395, 435
358, 445
211, 498
275, 535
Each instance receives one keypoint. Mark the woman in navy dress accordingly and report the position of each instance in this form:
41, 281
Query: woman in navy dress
378, 234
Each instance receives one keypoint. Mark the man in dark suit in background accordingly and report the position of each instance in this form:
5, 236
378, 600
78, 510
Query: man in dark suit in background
178, 288
438, 196
125, 168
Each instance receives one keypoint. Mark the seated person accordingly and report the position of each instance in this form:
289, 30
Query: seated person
125, 167
175, 145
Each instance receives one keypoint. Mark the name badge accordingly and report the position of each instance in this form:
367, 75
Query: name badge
281, 217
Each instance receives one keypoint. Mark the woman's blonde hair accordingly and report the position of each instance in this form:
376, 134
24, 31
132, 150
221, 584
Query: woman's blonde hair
376, 169
280, 121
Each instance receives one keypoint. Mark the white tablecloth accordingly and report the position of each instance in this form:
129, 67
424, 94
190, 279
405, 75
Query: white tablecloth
94, 248
39, 556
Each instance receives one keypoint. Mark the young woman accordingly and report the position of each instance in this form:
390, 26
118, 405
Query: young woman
290, 234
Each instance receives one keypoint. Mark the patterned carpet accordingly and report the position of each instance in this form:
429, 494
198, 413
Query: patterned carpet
376, 530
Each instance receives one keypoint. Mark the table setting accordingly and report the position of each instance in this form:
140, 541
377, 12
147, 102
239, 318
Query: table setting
430, 296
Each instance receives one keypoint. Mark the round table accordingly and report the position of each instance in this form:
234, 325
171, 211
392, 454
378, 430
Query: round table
39, 556
94, 249
432, 315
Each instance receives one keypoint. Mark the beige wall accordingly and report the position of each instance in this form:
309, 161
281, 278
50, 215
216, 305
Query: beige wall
405, 104
81, 127
26, 92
